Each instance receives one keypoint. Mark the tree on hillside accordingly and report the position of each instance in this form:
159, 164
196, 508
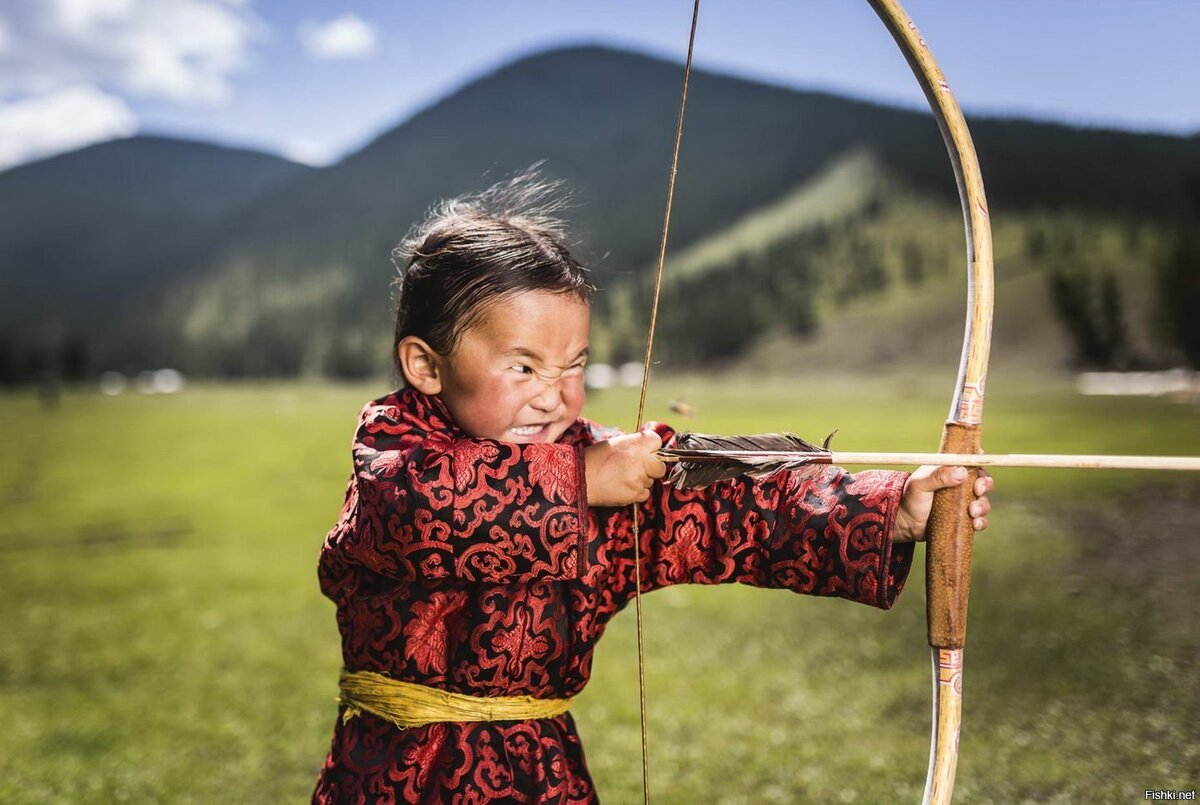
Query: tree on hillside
9, 374
1091, 310
351, 358
73, 359
912, 263
791, 287
1178, 291
1035, 243
1179, 297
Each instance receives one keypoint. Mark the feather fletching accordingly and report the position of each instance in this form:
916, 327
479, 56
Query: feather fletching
701, 459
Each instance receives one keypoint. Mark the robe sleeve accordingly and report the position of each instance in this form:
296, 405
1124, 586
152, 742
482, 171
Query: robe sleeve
423, 504
822, 531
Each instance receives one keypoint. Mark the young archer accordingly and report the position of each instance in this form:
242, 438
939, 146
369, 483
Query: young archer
486, 537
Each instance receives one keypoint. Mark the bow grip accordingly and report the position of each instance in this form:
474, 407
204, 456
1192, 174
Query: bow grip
951, 537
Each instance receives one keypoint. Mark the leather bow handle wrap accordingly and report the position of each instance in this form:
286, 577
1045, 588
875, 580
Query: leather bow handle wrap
950, 542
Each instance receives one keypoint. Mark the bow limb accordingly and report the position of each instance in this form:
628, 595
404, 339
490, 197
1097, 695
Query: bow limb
950, 534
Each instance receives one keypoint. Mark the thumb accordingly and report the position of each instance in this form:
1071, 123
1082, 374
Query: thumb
931, 479
650, 439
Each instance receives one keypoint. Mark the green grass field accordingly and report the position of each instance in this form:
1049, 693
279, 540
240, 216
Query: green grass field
164, 638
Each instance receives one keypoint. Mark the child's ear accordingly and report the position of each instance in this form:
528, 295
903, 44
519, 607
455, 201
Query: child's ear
419, 363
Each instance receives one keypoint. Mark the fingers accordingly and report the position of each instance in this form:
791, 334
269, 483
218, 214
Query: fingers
950, 476
649, 440
930, 478
623, 469
643, 440
977, 510
980, 507
652, 465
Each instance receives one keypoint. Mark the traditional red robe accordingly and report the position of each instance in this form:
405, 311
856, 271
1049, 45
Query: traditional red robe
476, 566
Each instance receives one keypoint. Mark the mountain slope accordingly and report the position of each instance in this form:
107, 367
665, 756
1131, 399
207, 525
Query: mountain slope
854, 270
602, 119
74, 226
298, 280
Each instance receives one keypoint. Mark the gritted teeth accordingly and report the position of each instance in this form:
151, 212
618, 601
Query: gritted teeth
527, 430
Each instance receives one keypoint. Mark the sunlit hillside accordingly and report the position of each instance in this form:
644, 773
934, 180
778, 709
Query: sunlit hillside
795, 211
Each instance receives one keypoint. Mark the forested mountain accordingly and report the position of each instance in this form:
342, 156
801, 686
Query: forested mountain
86, 230
290, 273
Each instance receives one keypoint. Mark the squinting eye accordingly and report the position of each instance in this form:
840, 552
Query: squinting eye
522, 368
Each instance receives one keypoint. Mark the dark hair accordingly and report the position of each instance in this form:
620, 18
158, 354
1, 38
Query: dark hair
475, 249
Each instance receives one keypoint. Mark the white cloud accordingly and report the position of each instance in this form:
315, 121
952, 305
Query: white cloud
80, 16
309, 152
344, 37
60, 120
181, 50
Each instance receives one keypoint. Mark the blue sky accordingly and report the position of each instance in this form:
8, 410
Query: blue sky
315, 80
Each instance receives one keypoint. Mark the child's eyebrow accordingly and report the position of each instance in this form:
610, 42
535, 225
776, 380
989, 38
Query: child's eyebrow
528, 353
523, 353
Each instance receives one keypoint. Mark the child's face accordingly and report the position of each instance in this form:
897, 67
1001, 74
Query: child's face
517, 374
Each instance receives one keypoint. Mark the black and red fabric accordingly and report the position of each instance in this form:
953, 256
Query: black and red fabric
476, 566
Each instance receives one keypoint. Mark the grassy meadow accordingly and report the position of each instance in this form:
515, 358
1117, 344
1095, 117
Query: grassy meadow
164, 638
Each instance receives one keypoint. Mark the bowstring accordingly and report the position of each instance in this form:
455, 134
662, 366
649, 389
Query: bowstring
658, 277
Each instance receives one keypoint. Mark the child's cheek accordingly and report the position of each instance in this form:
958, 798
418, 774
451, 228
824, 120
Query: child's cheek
508, 401
575, 396
484, 413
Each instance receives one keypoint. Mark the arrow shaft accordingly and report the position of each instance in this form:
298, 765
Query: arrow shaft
840, 457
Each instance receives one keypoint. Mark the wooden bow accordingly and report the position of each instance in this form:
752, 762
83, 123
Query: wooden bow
950, 533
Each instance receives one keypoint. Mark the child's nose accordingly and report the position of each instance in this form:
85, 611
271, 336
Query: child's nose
549, 397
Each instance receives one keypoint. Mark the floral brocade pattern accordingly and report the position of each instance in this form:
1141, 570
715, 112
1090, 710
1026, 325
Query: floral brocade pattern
476, 566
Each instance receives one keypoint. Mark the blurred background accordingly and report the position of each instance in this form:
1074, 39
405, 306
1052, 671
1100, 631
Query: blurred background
198, 202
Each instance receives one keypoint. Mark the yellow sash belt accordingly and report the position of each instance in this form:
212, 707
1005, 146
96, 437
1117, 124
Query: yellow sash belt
407, 704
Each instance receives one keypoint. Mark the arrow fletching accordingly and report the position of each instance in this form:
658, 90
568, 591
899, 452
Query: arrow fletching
701, 460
